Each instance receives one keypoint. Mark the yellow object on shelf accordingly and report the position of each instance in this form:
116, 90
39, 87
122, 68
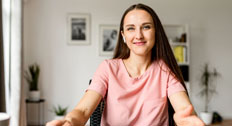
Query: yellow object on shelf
179, 53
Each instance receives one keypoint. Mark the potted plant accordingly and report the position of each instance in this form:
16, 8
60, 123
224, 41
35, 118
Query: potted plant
32, 77
207, 79
60, 112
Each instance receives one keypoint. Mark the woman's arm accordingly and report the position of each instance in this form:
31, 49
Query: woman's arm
81, 113
179, 101
184, 112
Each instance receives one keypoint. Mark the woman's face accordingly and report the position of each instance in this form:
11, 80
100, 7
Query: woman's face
139, 32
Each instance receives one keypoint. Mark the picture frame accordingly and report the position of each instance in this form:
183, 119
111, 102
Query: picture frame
108, 39
78, 29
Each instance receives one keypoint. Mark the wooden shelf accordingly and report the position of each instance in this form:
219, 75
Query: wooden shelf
224, 123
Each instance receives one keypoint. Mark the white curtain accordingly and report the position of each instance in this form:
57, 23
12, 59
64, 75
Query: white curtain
12, 38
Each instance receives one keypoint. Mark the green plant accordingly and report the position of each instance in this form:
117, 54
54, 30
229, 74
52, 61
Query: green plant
60, 111
32, 76
207, 78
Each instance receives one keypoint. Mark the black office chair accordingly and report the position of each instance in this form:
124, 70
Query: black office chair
95, 118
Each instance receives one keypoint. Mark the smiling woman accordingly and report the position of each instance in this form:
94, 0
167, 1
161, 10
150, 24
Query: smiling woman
142, 85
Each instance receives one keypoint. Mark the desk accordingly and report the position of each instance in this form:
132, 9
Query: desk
224, 123
40, 108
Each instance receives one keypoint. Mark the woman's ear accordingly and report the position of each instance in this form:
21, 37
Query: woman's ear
122, 33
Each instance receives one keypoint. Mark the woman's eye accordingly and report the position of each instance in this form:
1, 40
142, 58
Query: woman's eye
146, 27
130, 28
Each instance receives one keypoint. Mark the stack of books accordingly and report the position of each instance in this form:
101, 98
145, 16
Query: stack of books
180, 53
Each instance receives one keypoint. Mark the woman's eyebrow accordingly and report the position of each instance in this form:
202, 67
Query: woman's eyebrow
128, 25
145, 23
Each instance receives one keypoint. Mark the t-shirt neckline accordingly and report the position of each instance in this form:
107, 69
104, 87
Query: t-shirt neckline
140, 76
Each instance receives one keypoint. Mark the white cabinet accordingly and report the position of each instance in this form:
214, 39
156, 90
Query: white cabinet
178, 37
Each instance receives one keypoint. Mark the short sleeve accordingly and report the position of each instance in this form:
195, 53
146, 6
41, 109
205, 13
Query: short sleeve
174, 85
100, 79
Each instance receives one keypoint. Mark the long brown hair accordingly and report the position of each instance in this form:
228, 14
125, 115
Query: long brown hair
161, 50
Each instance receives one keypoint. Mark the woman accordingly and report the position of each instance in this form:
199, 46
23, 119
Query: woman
142, 84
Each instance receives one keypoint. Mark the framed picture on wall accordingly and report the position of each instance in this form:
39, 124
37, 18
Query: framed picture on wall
108, 39
78, 29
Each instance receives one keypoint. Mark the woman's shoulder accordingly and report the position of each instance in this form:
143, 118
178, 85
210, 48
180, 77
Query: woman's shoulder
162, 65
112, 62
109, 65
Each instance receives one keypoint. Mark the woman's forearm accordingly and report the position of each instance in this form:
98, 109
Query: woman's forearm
81, 113
76, 117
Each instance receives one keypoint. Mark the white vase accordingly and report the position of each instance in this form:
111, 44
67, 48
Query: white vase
34, 95
58, 117
4, 119
207, 117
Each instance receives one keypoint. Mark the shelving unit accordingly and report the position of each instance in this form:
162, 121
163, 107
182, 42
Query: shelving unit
178, 36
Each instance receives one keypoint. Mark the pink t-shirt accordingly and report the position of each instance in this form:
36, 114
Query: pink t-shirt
140, 101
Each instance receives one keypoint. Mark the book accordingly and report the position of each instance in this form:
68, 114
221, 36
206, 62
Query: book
179, 53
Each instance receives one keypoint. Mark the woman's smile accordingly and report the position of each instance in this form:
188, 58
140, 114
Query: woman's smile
140, 43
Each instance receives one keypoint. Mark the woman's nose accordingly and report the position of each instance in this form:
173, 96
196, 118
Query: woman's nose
139, 34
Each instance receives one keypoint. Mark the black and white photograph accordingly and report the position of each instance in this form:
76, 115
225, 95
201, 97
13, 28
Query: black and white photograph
78, 29
108, 39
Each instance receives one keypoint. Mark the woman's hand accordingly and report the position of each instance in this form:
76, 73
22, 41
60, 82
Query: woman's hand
80, 115
58, 123
185, 118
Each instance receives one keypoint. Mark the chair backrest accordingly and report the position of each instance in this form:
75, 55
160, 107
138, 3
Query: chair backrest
95, 118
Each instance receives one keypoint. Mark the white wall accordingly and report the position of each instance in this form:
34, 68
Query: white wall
66, 69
